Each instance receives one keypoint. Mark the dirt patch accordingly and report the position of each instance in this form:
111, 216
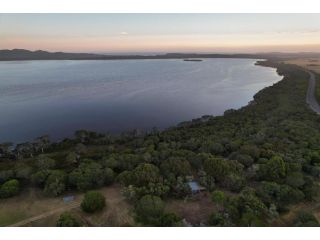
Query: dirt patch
117, 212
195, 210
29, 203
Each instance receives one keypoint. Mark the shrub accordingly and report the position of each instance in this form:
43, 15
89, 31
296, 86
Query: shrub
149, 209
55, 183
93, 201
87, 176
9, 188
108, 176
67, 220
305, 219
169, 220
218, 197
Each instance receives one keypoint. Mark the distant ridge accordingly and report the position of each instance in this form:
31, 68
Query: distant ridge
23, 54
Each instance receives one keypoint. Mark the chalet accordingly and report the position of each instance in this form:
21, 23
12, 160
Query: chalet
195, 187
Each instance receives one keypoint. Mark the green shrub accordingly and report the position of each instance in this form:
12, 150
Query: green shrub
149, 209
169, 220
305, 219
67, 220
9, 188
93, 201
55, 183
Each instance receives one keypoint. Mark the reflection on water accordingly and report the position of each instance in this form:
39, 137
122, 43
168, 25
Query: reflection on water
59, 97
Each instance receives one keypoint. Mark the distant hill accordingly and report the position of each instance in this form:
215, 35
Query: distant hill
22, 54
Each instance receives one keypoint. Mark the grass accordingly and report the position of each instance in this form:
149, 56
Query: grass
312, 64
195, 210
28, 203
32, 202
117, 212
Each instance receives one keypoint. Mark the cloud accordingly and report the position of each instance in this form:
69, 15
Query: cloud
124, 33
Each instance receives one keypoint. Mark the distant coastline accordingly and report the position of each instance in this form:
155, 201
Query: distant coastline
192, 60
24, 55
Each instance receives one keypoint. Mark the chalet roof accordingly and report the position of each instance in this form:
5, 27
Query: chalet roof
194, 186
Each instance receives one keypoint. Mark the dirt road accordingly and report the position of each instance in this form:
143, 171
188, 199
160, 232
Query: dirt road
46, 214
311, 98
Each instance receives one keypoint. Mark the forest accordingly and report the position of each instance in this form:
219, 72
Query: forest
255, 162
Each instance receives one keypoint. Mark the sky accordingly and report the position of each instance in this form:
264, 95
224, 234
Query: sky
143, 33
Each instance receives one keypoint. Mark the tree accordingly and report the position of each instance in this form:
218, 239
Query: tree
182, 189
22, 171
109, 176
276, 168
305, 219
87, 176
93, 201
39, 178
24, 149
80, 149
250, 150
217, 168
218, 197
176, 166
44, 162
55, 184
145, 173
42, 143
71, 158
5, 175
149, 209
245, 159
217, 219
295, 179
125, 178
9, 188
206, 180
233, 182
67, 220
169, 220
82, 135
109, 162
251, 208
5, 148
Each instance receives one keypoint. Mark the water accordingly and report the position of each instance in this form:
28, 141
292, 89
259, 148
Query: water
59, 97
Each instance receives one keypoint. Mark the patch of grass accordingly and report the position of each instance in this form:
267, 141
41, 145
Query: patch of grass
32, 202
312, 64
29, 203
117, 212
195, 210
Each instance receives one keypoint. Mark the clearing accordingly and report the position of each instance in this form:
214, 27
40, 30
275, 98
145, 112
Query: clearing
33, 208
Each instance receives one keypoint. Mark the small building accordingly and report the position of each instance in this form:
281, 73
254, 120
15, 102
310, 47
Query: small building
68, 199
195, 187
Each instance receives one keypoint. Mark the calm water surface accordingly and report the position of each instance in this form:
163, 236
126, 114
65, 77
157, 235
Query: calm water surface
59, 97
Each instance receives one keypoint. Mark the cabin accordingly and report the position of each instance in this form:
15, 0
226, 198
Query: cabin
68, 199
195, 187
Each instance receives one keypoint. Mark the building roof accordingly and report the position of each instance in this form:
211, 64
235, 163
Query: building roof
68, 199
194, 186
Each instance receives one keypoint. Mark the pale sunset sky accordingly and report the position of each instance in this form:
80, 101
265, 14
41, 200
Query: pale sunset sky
134, 33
